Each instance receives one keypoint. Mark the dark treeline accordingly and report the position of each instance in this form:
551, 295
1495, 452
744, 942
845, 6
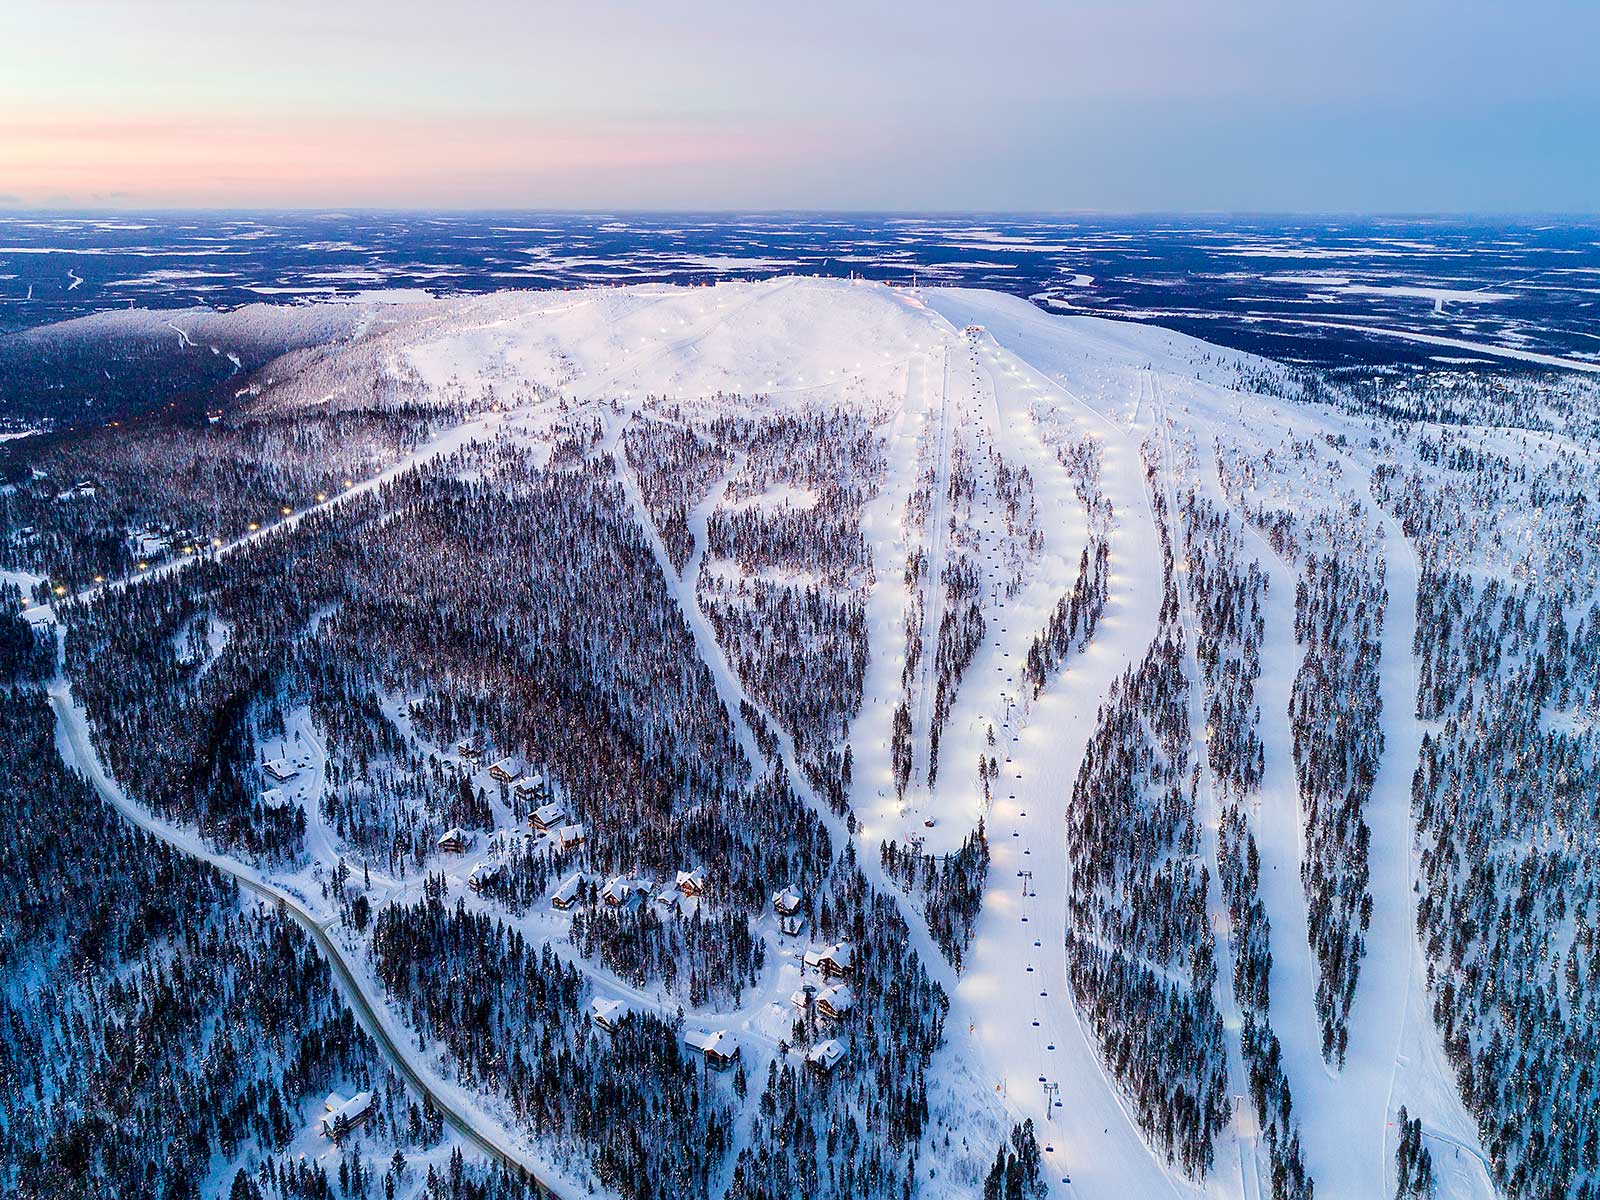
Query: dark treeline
1336, 717
100, 502
706, 958
1140, 953
1508, 800
675, 469
153, 1029
951, 887
645, 1118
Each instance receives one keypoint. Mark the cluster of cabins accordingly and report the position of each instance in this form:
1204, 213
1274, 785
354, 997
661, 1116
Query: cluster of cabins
717, 1046
679, 897
547, 819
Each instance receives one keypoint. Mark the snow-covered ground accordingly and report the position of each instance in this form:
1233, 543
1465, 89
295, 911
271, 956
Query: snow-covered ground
994, 371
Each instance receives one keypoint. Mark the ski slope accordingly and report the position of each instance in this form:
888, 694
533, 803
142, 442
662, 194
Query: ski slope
932, 368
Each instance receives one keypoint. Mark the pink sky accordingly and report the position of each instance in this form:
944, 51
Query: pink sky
1476, 105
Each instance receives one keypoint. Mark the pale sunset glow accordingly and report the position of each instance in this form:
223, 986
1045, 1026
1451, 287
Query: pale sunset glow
1150, 105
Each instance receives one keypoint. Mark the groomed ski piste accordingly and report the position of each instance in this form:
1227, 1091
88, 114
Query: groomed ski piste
944, 373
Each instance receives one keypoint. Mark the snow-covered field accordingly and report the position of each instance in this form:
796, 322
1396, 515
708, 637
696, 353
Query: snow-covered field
945, 376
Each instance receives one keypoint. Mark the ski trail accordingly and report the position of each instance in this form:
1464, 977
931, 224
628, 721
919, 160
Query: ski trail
731, 691
1024, 1025
1209, 814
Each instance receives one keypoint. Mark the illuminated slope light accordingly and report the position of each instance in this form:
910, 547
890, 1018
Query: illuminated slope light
286, 510
99, 578
60, 591
253, 526
216, 541
349, 483
144, 566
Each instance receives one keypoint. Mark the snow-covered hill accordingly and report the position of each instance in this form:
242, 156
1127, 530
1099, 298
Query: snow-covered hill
1068, 668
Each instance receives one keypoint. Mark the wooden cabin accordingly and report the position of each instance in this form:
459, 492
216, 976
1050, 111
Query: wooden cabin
788, 902
280, 769
456, 841
343, 1115
718, 1047
483, 875
825, 1056
835, 1002
834, 962
508, 770
568, 836
547, 817
565, 896
608, 1014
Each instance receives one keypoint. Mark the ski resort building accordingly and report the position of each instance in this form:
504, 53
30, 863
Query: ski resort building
280, 769
531, 790
456, 840
470, 750
568, 837
565, 896
508, 770
718, 1047
343, 1115
835, 1002
834, 962
788, 902
608, 1014
825, 1056
625, 891
547, 817
483, 875
692, 883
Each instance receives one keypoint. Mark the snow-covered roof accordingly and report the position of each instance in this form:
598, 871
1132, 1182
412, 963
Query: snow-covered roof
790, 899
280, 769
839, 998
717, 1041
841, 955
456, 834
607, 1011
274, 798
349, 1111
692, 881
569, 887
549, 814
483, 872
567, 834
511, 765
826, 1054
